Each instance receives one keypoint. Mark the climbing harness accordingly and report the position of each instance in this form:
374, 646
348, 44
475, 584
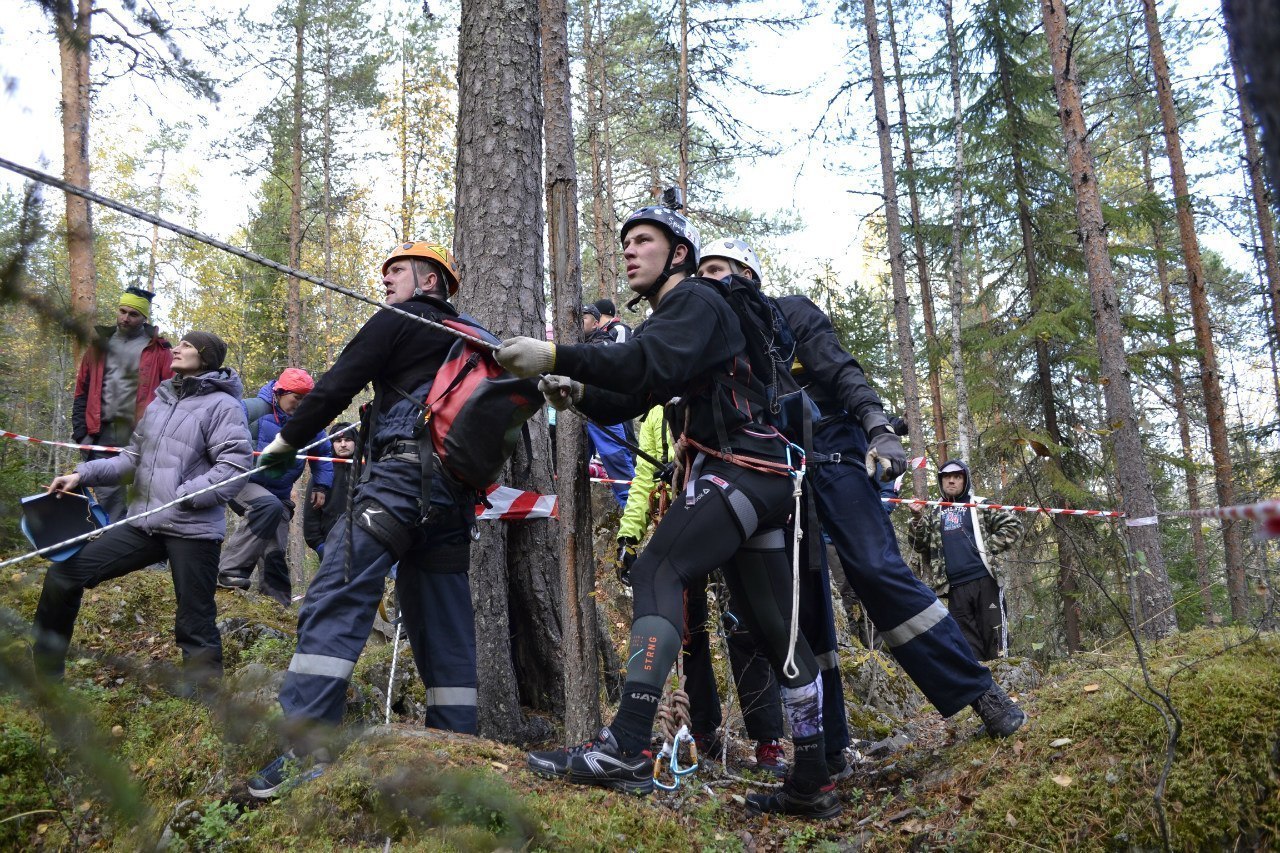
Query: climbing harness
183, 231
85, 537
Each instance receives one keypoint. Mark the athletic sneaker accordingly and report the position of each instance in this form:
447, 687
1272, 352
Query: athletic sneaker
999, 713
710, 747
770, 758
284, 774
822, 804
838, 767
597, 762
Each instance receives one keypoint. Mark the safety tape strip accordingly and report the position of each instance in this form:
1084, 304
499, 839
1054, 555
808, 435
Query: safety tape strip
907, 631
451, 696
1044, 510
325, 665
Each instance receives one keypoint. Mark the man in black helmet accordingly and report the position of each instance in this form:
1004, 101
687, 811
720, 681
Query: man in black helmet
609, 322
736, 496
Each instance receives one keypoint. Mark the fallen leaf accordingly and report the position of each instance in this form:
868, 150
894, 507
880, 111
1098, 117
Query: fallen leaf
117, 731
1092, 688
1057, 742
1017, 747
739, 799
1064, 781
498, 765
1010, 819
911, 826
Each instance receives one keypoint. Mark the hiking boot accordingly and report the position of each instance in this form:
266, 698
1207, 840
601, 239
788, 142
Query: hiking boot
233, 580
999, 713
822, 804
284, 774
770, 758
598, 762
838, 768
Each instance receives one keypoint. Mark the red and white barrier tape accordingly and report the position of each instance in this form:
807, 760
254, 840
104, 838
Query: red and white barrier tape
1267, 513
102, 448
508, 504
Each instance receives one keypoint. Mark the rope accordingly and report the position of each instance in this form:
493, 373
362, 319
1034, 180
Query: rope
183, 231
395, 654
84, 537
789, 668
105, 448
673, 710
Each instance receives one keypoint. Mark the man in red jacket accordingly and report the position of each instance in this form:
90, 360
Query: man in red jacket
118, 377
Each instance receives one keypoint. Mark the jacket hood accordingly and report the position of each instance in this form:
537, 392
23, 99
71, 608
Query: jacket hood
267, 393
223, 379
968, 481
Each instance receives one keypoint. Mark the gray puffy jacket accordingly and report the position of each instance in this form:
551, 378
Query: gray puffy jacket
193, 435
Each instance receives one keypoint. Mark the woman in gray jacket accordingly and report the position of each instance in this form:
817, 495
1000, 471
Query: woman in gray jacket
192, 436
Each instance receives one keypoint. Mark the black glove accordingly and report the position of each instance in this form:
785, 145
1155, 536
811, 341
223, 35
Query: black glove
666, 473
625, 560
886, 459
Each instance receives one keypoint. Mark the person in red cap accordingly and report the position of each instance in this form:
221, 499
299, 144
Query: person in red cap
266, 505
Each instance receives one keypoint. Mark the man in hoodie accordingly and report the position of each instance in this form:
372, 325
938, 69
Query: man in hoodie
608, 441
967, 540
318, 518
117, 380
191, 438
267, 504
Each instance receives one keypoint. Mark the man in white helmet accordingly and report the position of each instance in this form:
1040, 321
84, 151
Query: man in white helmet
853, 443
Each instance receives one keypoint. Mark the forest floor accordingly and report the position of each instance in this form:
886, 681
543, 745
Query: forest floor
116, 761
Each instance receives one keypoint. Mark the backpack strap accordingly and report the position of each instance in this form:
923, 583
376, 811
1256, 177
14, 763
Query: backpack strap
426, 450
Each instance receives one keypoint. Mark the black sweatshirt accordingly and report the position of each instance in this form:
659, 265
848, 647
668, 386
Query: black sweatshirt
389, 348
831, 376
692, 337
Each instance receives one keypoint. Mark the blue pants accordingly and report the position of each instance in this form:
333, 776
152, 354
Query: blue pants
615, 457
435, 598
915, 625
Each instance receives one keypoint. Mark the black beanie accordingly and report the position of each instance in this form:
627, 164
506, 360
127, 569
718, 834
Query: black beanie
212, 349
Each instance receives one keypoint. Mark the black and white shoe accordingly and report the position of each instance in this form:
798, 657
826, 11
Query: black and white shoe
999, 713
232, 580
822, 804
284, 774
597, 762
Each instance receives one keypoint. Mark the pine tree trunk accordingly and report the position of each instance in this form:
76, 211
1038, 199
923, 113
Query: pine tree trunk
1261, 195
684, 97
293, 299
514, 575
157, 197
897, 263
1199, 550
326, 167
406, 199
592, 54
1153, 593
74, 28
957, 282
578, 606
922, 261
1214, 410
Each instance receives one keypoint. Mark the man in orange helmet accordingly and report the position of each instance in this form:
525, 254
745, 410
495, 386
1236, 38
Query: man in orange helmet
390, 520
266, 505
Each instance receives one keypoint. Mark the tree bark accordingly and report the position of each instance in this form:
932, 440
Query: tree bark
897, 264
293, 298
1261, 195
592, 53
922, 261
1153, 595
957, 282
1215, 411
514, 576
578, 605
684, 97
73, 24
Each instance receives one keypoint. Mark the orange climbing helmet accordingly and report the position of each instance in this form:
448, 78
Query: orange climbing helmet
429, 252
295, 380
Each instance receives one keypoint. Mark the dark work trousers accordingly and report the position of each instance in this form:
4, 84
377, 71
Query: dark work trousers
264, 532
979, 608
818, 625
193, 563
114, 500
758, 693
917, 628
336, 616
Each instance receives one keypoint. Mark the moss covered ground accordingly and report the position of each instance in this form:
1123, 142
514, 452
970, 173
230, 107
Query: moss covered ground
115, 761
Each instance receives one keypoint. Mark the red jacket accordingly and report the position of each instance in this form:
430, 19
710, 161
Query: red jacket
154, 367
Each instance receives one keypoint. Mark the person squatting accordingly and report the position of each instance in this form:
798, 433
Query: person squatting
733, 510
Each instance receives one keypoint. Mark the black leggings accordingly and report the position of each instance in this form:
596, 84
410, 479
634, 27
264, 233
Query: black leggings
734, 519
